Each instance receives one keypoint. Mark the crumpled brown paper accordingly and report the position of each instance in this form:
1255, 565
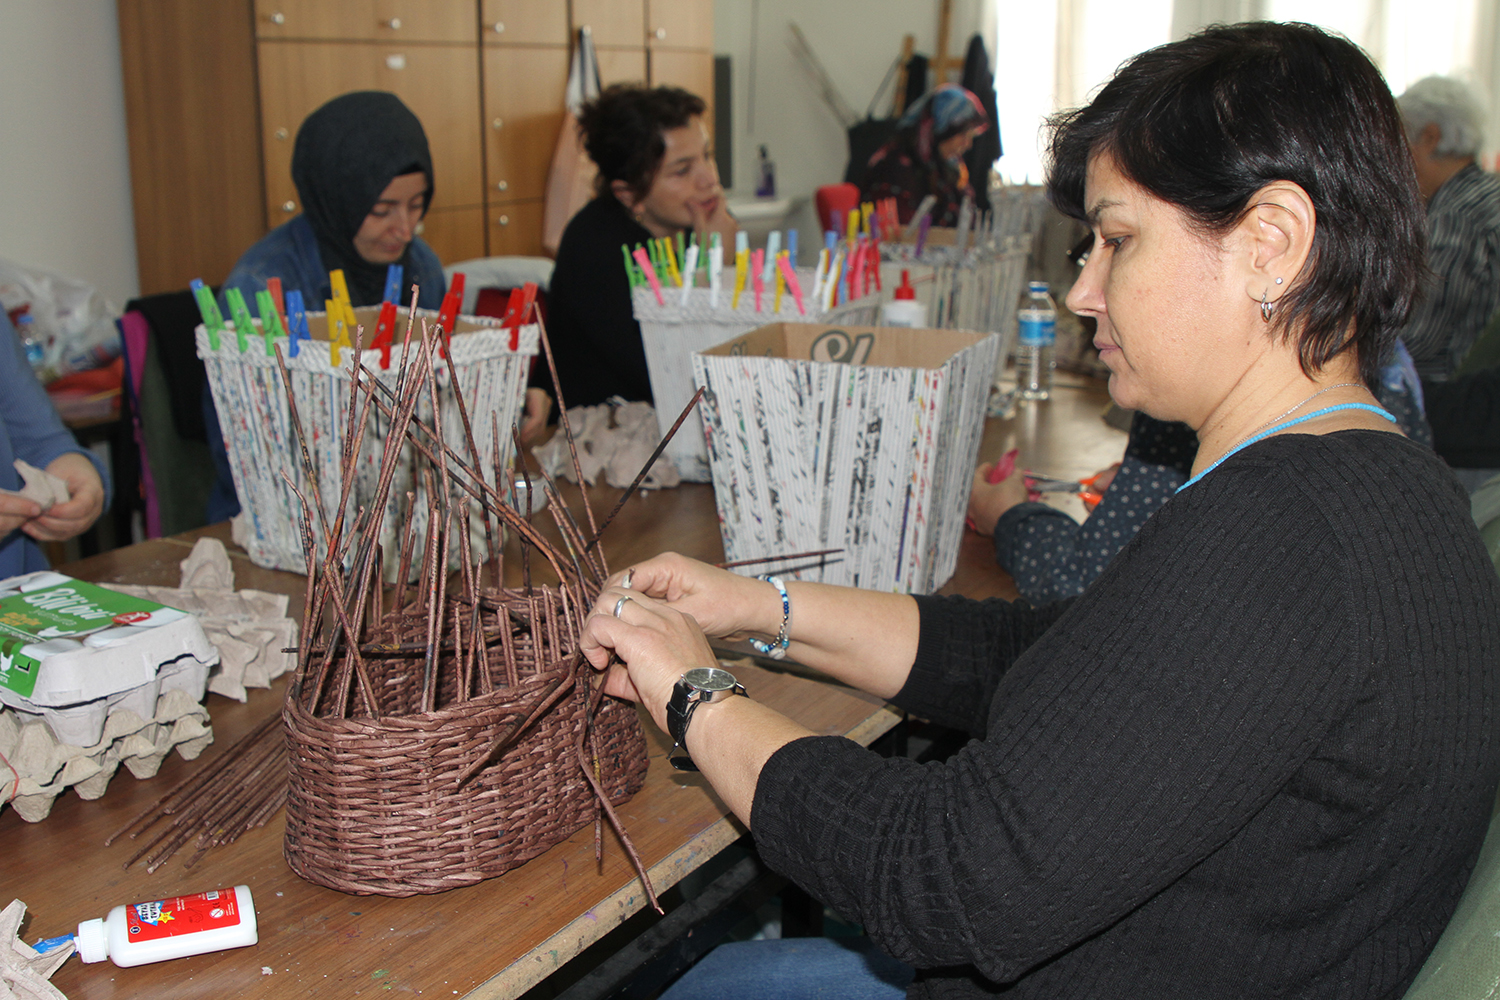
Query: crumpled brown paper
24, 974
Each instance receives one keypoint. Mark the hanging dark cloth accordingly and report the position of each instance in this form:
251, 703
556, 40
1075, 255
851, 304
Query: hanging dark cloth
979, 81
346, 154
916, 80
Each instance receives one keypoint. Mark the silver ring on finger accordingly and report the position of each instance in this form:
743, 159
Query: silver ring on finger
620, 605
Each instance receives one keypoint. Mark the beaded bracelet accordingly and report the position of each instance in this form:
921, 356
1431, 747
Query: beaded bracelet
776, 650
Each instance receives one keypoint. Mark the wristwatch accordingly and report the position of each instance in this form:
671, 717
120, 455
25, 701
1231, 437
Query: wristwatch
694, 688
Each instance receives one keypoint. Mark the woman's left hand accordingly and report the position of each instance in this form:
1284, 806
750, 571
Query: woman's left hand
716, 220
85, 503
657, 643
534, 420
988, 501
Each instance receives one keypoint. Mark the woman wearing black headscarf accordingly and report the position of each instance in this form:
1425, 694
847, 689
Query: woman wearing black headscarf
364, 174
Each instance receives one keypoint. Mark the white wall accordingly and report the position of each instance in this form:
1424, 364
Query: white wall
65, 172
778, 104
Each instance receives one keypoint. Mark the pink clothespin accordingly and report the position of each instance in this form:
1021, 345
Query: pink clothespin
644, 261
757, 262
790, 274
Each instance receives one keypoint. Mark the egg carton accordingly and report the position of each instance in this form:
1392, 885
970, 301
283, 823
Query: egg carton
42, 766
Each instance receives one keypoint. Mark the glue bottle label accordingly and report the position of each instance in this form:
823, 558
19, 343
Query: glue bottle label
164, 918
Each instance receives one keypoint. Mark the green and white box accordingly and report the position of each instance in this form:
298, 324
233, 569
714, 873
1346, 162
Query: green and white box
71, 651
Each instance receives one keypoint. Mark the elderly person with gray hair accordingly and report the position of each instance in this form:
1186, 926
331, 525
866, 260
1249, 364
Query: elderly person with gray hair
1443, 122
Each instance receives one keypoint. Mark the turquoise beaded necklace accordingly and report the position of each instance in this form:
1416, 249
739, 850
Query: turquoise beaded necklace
1283, 426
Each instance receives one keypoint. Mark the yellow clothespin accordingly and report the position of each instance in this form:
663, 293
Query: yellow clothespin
853, 229
671, 257
338, 329
741, 269
866, 209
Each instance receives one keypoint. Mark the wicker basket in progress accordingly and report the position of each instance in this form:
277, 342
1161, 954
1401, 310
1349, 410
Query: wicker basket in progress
375, 803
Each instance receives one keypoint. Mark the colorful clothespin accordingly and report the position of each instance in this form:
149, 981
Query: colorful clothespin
780, 283
273, 285
715, 265
650, 273
393, 284
741, 272
296, 321
789, 274
518, 311
680, 258
791, 245
852, 227
213, 321
690, 273
674, 273
338, 331
866, 209
756, 278
240, 312
385, 331
773, 248
270, 321
630, 272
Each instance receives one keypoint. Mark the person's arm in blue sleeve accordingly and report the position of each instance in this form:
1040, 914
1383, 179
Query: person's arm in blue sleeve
36, 435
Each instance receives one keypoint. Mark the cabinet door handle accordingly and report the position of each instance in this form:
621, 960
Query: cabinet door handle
277, 18
661, 34
394, 24
504, 220
499, 27
397, 61
282, 134
498, 123
502, 185
289, 207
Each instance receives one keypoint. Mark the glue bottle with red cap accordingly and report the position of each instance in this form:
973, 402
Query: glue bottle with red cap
905, 310
159, 929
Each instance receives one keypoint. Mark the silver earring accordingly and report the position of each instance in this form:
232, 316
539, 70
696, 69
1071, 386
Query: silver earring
1265, 308
1278, 281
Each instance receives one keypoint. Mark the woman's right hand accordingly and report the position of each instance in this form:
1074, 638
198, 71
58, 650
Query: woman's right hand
724, 604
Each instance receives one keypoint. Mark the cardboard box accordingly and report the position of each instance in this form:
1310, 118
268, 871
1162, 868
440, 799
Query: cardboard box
853, 437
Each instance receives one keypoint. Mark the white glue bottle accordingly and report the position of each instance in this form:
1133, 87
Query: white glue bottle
905, 310
159, 929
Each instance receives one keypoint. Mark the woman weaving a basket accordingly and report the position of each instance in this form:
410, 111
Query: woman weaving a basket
1255, 757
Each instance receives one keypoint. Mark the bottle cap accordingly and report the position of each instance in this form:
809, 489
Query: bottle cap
92, 941
905, 291
1036, 286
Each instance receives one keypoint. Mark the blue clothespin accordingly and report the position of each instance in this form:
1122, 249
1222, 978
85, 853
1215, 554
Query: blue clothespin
831, 239
791, 246
393, 284
296, 320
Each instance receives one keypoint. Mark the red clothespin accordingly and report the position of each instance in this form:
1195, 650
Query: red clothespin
518, 311
385, 332
875, 263
447, 316
273, 285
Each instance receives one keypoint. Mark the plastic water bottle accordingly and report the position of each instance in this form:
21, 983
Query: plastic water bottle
1037, 322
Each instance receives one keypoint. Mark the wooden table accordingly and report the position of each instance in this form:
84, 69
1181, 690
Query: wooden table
501, 937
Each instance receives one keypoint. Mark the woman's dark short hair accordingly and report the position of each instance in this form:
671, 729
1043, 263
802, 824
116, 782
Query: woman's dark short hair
622, 131
1206, 122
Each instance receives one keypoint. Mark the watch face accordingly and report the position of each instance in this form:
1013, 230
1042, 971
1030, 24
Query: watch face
710, 679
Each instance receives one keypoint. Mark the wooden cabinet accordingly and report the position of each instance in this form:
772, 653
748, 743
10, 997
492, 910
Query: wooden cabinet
524, 22
399, 21
435, 81
215, 94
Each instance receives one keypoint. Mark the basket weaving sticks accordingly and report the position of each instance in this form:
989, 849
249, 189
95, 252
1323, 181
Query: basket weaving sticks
457, 732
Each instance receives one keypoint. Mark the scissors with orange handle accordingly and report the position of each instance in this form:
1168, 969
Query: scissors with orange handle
1086, 488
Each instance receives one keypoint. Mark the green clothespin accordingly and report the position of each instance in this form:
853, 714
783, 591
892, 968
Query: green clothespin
243, 325
213, 321
630, 272
682, 256
270, 319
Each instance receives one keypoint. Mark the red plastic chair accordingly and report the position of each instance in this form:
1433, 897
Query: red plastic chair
831, 198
